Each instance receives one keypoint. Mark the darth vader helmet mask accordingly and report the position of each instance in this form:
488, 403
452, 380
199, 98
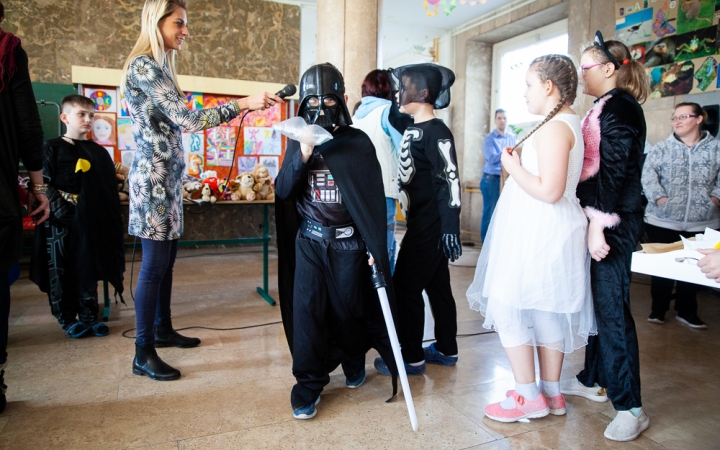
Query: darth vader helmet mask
322, 97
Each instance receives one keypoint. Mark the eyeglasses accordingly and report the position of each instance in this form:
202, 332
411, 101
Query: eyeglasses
590, 66
682, 117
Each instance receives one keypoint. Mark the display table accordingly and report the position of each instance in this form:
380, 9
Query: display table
223, 223
666, 265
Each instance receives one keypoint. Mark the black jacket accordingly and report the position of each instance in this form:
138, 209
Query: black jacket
21, 137
616, 187
97, 227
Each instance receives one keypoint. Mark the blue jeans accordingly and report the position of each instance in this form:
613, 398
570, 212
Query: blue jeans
154, 288
490, 188
4, 314
391, 243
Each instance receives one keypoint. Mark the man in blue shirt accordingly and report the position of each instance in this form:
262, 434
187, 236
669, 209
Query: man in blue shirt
493, 145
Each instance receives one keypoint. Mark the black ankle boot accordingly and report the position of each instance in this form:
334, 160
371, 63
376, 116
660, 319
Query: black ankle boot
166, 336
3, 388
148, 363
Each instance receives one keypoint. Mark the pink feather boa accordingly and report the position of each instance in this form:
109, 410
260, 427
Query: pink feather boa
591, 136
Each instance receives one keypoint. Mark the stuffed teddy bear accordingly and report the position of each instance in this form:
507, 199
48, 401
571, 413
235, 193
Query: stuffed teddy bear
242, 187
207, 194
190, 187
263, 183
121, 174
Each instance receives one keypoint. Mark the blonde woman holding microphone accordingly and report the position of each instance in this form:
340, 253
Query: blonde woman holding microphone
159, 114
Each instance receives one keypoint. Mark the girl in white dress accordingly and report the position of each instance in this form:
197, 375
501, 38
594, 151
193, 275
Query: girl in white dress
532, 281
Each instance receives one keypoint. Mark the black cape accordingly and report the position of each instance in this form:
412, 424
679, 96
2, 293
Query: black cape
98, 238
350, 157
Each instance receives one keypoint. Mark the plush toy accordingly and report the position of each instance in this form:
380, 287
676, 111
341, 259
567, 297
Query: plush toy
263, 183
190, 187
242, 187
121, 174
207, 194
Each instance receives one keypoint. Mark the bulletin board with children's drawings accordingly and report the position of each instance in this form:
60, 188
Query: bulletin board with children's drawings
212, 149
678, 41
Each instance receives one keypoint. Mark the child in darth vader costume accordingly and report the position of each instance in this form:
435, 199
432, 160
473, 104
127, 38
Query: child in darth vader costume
330, 213
430, 200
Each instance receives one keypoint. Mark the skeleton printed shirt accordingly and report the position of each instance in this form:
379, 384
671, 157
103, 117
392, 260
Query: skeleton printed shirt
429, 181
158, 113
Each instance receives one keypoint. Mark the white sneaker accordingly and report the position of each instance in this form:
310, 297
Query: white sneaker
574, 387
626, 427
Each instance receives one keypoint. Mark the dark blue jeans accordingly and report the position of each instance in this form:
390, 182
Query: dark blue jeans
4, 314
154, 288
490, 188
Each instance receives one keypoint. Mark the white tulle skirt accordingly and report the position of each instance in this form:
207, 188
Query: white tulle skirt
532, 281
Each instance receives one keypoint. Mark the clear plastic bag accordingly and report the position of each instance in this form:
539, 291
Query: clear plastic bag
297, 129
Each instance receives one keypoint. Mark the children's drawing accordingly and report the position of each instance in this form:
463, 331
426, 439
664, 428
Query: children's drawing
103, 131
261, 141
706, 74
194, 101
123, 105
272, 163
246, 163
194, 164
125, 135
111, 152
105, 100
127, 156
671, 79
192, 142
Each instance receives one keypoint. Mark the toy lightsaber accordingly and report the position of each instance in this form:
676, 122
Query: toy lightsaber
378, 280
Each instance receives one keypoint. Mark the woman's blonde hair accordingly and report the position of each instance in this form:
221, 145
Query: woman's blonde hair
150, 41
631, 76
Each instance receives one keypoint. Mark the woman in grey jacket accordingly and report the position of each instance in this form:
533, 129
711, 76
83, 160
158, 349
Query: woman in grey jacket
682, 185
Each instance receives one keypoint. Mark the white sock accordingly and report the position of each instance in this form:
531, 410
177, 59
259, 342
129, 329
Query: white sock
530, 391
417, 363
549, 388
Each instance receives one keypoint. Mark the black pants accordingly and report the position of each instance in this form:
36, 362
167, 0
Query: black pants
4, 314
69, 298
331, 281
661, 288
612, 357
422, 265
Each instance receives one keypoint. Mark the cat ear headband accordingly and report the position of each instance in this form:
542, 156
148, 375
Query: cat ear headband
600, 43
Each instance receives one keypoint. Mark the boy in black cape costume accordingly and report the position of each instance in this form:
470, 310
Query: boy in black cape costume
328, 305
82, 241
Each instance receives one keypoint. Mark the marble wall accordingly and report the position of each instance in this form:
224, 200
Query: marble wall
236, 39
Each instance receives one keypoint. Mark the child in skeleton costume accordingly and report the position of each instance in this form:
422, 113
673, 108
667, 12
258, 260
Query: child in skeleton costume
610, 193
430, 200
532, 281
82, 241
330, 213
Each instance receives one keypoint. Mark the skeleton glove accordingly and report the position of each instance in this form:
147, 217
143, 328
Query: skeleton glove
451, 246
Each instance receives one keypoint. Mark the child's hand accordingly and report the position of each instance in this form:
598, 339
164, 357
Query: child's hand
510, 160
596, 242
307, 151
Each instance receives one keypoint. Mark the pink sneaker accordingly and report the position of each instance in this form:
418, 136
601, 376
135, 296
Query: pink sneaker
556, 404
524, 409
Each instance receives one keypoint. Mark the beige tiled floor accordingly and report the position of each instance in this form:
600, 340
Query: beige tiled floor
234, 392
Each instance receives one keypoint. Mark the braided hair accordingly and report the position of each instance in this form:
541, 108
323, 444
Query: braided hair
561, 71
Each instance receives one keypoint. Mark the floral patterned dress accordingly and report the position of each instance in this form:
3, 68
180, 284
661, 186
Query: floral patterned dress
158, 112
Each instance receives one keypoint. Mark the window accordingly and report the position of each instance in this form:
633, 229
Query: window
511, 59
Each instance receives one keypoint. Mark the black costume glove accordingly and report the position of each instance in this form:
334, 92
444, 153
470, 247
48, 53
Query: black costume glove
451, 246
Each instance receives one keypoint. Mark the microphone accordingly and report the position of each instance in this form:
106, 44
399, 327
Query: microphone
287, 91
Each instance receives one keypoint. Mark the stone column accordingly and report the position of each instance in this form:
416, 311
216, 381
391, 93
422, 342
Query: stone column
348, 38
584, 18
